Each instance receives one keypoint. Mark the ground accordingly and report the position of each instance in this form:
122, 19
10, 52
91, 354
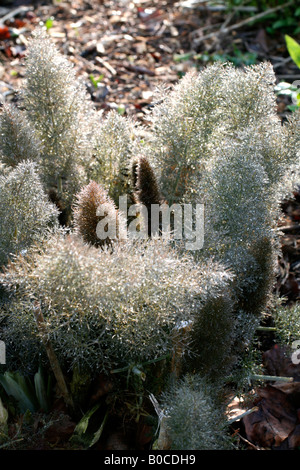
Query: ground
127, 48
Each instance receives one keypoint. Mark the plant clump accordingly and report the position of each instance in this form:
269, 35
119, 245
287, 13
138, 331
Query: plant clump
217, 140
104, 308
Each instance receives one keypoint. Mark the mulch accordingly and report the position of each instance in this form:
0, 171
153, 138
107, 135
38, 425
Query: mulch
127, 48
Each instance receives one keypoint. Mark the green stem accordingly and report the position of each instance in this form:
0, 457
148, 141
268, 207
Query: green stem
272, 378
237, 418
266, 328
59, 185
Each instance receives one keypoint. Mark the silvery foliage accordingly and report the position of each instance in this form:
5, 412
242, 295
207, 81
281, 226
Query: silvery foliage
60, 112
245, 181
25, 211
205, 111
116, 144
18, 141
287, 323
182, 124
240, 207
218, 140
106, 308
194, 418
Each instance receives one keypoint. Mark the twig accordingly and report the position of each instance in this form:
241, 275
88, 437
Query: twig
248, 442
14, 13
138, 69
246, 413
282, 61
290, 77
106, 65
245, 22
226, 22
204, 28
10, 443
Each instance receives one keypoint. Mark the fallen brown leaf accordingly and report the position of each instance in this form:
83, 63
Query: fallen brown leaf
275, 420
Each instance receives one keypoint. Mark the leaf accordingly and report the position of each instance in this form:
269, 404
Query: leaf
98, 433
294, 49
41, 390
296, 98
280, 23
183, 57
81, 436
292, 107
275, 420
16, 385
84, 422
4, 33
96, 81
49, 23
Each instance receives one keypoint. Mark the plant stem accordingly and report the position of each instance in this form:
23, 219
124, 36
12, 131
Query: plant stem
266, 328
272, 378
54, 363
237, 418
59, 185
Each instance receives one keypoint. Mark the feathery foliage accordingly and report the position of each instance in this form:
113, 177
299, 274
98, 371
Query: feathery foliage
104, 307
195, 420
241, 211
182, 125
58, 108
26, 214
287, 323
115, 145
217, 139
206, 110
212, 338
18, 141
